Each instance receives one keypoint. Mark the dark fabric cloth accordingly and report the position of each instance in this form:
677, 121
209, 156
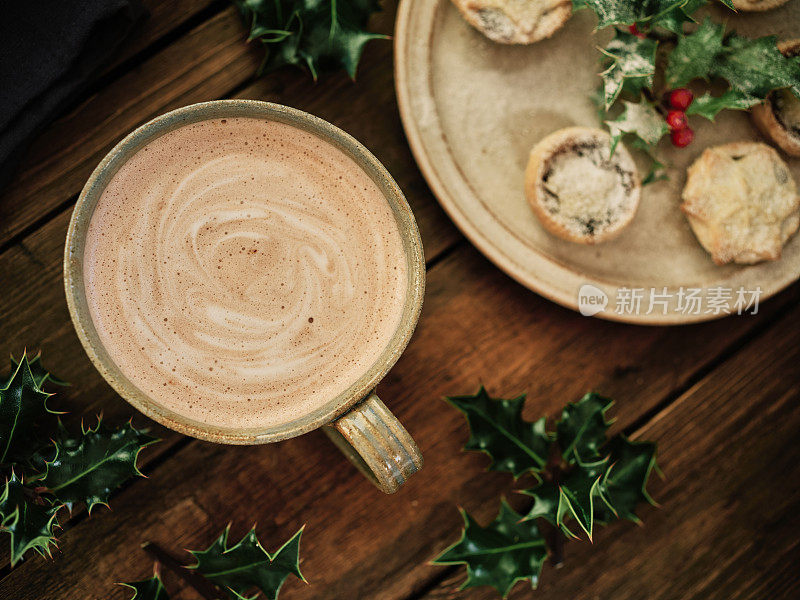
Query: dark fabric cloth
49, 51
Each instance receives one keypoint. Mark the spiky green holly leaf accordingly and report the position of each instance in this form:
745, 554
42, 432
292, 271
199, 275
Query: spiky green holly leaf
644, 126
578, 495
23, 415
632, 87
752, 67
624, 484
629, 57
582, 427
247, 566
498, 429
29, 524
756, 67
40, 375
148, 589
695, 53
615, 495
499, 555
640, 119
709, 106
317, 34
579, 492
674, 19
546, 503
93, 465
60, 439
656, 170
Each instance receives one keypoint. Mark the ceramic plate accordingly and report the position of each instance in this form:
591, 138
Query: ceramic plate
472, 110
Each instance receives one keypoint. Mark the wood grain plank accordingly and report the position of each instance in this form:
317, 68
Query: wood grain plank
729, 521
477, 326
164, 17
207, 63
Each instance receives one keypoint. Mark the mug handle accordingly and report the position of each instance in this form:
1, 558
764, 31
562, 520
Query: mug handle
375, 442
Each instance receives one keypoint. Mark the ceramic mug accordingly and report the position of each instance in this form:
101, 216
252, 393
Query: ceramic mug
356, 420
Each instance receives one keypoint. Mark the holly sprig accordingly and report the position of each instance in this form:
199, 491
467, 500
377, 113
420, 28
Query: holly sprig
318, 35
583, 479
45, 468
234, 570
693, 52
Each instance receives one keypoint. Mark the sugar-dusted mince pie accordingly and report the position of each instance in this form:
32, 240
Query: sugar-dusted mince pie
741, 201
577, 189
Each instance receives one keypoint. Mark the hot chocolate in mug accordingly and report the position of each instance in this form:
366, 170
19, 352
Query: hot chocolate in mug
244, 272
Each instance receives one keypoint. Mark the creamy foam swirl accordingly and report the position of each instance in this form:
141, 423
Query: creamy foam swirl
243, 272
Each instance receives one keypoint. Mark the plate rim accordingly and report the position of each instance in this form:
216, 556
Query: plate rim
482, 242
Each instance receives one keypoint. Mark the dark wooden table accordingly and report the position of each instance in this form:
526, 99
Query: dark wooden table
721, 398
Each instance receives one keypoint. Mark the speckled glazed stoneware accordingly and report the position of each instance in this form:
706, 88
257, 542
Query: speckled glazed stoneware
357, 421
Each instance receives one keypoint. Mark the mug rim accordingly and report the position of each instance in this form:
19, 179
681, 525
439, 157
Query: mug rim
132, 143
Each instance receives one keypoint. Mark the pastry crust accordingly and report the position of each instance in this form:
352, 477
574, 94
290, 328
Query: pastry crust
578, 191
515, 21
767, 115
758, 5
741, 201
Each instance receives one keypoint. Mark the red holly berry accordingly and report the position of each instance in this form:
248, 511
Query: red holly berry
676, 119
680, 98
682, 137
635, 31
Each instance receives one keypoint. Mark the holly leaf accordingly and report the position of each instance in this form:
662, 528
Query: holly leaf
498, 429
499, 555
40, 374
148, 589
546, 503
752, 67
709, 106
624, 484
695, 53
577, 496
90, 467
640, 119
646, 127
629, 57
600, 491
756, 67
582, 428
246, 565
579, 491
674, 19
23, 414
656, 172
29, 525
39, 459
317, 34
